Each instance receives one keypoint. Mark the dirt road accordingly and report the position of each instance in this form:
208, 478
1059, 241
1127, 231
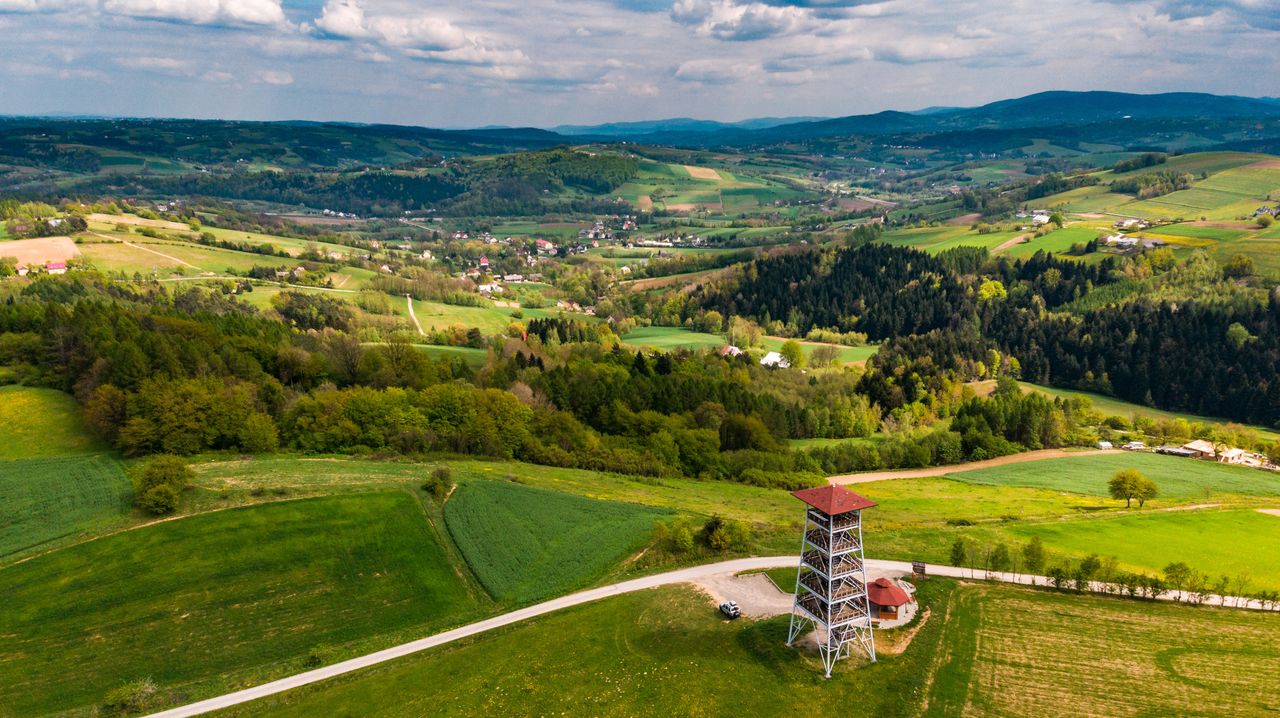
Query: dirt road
869, 476
413, 316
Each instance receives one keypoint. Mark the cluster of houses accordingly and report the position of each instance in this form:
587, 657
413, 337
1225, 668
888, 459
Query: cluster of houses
1206, 451
1039, 217
1124, 242
1273, 211
339, 215
48, 268
1131, 224
773, 360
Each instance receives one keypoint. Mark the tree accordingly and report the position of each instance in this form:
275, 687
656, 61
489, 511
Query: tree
1146, 490
1058, 219
1238, 335
1000, 558
793, 353
1125, 484
158, 489
1239, 266
959, 552
1265, 220
1033, 555
726, 535
824, 356
1178, 575
991, 290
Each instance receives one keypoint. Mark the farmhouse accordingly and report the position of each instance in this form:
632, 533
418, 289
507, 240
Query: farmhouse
1200, 449
774, 359
55, 267
729, 350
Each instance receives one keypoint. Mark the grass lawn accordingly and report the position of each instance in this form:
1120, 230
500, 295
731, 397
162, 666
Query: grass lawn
1208, 541
46, 499
204, 604
526, 544
987, 650
37, 422
1057, 241
469, 355
1177, 478
661, 653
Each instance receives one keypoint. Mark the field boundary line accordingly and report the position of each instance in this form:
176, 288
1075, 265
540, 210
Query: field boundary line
684, 575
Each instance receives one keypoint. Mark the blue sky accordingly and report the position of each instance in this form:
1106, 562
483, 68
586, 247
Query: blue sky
547, 62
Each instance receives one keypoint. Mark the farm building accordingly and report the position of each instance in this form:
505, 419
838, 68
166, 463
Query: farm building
1201, 449
776, 360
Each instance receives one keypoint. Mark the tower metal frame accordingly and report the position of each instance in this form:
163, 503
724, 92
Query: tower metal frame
831, 587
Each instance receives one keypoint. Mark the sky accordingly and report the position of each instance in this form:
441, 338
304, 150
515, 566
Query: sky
548, 62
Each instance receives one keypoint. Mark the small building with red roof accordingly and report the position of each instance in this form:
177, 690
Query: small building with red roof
887, 598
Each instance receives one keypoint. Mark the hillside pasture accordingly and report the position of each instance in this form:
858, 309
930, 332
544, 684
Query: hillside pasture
986, 650
525, 543
1178, 479
1207, 540
1057, 241
37, 422
217, 600
671, 338
133, 220
42, 500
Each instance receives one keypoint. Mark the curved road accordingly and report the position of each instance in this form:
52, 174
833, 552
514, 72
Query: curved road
684, 575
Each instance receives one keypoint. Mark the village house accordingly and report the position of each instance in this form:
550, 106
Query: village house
56, 267
729, 350
775, 360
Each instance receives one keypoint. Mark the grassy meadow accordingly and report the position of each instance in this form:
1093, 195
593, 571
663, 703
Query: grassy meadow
1179, 479
203, 604
671, 338
37, 422
45, 499
985, 650
526, 544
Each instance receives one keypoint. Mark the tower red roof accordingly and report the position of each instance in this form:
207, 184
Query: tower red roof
884, 592
833, 500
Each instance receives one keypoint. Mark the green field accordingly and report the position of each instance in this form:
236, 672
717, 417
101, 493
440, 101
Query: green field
38, 422
1209, 541
1059, 240
1178, 478
488, 319
1220, 234
938, 239
669, 338
469, 355
202, 604
46, 499
987, 650
526, 544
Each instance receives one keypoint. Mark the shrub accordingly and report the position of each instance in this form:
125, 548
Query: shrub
439, 483
160, 487
133, 697
726, 535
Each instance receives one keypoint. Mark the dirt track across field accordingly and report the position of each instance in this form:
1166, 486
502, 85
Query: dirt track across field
869, 476
1010, 243
1270, 512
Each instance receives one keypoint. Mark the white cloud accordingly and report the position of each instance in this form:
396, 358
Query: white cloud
731, 20
200, 12
275, 77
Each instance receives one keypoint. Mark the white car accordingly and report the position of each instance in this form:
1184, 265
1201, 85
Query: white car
730, 609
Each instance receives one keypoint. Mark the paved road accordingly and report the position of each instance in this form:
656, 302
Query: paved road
867, 476
684, 575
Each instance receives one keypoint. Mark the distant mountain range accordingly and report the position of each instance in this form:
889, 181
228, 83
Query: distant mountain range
1045, 109
677, 124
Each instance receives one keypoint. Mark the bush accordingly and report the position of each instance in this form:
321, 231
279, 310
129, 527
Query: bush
160, 487
439, 483
133, 697
726, 535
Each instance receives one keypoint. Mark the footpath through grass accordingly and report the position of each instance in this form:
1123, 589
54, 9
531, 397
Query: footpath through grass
203, 604
45, 499
525, 544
